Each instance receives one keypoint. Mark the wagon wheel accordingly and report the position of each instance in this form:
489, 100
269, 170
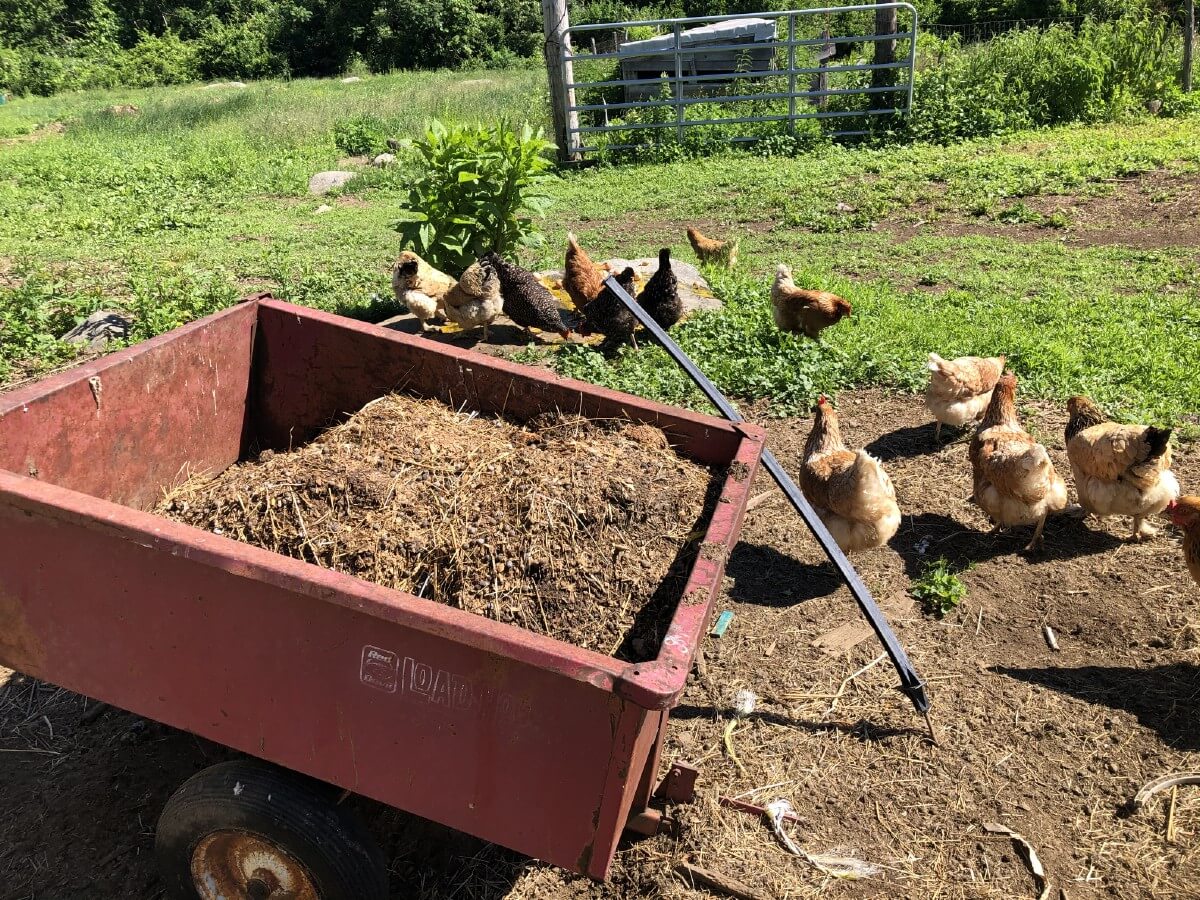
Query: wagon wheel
246, 830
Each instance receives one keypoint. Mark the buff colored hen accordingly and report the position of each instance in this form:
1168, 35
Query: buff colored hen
475, 301
1120, 470
1015, 480
960, 389
420, 287
849, 489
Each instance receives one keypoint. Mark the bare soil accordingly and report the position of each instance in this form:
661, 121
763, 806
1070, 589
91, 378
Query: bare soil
1051, 744
1155, 210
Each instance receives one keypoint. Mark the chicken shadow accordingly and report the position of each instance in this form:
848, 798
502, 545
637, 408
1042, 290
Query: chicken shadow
1163, 698
1066, 537
764, 576
912, 441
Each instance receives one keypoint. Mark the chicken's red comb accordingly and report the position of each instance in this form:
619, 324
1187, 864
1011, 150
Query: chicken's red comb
822, 400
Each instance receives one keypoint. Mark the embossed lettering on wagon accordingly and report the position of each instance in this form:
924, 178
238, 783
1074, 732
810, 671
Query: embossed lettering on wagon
386, 671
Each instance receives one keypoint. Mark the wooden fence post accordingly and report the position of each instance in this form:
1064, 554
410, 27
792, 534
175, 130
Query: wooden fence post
885, 52
561, 71
1189, 41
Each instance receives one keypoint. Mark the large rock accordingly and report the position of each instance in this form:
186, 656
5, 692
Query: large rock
324, 182
694, 290
98, 329
383, 160
351, 79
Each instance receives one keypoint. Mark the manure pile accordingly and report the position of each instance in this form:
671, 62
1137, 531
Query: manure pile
576, 529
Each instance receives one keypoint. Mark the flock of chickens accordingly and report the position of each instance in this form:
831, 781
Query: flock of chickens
1118, 469
492, 286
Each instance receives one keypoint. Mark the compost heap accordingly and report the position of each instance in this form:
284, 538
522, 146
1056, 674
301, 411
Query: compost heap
564, 526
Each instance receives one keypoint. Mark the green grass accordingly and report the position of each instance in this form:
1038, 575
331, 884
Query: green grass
202, 196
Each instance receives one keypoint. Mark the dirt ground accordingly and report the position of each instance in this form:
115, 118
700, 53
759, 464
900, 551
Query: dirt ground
1150, 211
1051, 744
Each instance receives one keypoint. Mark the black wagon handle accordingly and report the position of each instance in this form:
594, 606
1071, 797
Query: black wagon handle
911, 684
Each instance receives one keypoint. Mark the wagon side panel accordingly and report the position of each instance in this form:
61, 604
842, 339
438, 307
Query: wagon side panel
312, 369
123, 427
481, 742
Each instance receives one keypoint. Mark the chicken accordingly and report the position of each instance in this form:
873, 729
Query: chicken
959, 390
420, 287
1015, 480
476, 299
723, 253
1120, 470
849, 490
582, 278
1185, 513
609, 316
526, 300
799, 310
660, 297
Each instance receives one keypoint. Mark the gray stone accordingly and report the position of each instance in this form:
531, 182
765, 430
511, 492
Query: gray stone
225, 84
324, 182
351, 79
383, 160
694, 290
322, 209
98, 329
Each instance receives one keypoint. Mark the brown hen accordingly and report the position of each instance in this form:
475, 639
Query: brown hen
802, 311
849, 490
582, 278
1015, 481
1185, 513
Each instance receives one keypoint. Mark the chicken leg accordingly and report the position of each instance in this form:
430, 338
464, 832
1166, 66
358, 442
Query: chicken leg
1038, 541
1142, 530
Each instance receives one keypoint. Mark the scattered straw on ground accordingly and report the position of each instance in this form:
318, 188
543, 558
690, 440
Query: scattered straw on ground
565, 527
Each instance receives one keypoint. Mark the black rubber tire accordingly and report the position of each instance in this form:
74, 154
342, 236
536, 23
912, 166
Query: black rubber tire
297, 814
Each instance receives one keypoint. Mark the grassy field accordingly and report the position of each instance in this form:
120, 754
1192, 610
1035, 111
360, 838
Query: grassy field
983, 247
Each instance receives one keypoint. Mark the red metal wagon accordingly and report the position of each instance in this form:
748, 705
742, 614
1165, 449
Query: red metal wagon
516, 738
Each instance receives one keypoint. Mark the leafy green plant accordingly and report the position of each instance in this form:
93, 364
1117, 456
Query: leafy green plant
478, 191
360, 135
939, 589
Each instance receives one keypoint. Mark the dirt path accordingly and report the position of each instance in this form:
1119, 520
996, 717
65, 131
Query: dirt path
1050, 744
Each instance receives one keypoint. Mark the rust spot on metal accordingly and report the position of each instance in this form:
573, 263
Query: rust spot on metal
19, 647
584, 861
236, 864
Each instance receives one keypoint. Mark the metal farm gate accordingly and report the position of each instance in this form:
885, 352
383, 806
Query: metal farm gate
739, 77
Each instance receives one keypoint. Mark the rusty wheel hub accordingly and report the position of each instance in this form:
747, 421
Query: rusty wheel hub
234, 865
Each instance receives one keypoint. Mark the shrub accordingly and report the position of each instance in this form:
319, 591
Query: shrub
158, 60
476, 193
360, 135
241, 48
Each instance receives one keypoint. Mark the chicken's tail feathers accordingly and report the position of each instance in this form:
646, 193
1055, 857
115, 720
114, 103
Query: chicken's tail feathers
664, 257
935, 363
1159, 440
572, 240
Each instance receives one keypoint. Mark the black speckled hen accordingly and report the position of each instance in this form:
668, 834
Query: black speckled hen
661, 297
609, 316
526, 300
